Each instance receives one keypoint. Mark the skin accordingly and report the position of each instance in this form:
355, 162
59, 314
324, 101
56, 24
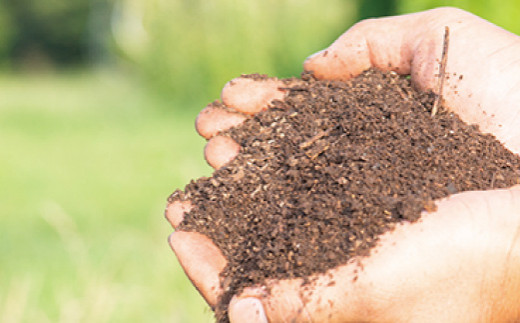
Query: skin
460, 263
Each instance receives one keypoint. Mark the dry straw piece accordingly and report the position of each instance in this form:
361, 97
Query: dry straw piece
442, 70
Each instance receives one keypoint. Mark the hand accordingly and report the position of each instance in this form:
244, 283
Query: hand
460, 263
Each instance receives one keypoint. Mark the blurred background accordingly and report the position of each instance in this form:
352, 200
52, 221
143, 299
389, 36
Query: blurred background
97, 104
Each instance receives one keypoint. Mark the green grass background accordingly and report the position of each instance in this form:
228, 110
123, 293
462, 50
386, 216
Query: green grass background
86, 163
88, 157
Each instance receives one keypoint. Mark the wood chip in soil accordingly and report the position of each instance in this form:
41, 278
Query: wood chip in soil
322, 174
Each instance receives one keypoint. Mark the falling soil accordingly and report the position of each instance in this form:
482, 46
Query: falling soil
322, 174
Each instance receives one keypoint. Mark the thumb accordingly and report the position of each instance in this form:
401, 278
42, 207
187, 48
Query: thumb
247, 309
383, 43
202, 262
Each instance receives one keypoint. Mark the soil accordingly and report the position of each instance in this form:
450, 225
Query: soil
322, 174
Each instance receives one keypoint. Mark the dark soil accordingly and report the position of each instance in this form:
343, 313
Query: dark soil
322, 174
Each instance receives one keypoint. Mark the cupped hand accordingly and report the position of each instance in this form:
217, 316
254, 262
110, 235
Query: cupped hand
460, 263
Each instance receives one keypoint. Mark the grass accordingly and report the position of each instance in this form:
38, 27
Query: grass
86, 163
194, 46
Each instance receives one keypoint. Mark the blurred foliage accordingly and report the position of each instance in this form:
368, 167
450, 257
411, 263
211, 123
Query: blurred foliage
376, 8
44, 32
195, 46
504, 13
189, 49
6, 33
86, 164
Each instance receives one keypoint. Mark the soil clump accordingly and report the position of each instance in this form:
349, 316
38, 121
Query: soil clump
322, 174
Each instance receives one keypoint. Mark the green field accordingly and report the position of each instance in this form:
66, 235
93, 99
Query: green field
86, 163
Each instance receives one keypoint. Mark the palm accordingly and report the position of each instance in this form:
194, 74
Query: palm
429, 271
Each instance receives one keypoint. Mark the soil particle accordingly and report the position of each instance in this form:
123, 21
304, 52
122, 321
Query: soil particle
322, 174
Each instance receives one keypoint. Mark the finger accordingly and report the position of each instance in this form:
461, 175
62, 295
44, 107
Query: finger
515, 187
250, 95
435, 255
220, 150
175, 212
382, 43
283, 303
202, 262
214, 119
247, 309
330, 297
407, 44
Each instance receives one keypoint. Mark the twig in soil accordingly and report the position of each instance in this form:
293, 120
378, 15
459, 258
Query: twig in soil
320, 135
442, 70
293, 88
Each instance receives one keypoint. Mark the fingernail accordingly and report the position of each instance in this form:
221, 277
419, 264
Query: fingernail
247, 310
320, 53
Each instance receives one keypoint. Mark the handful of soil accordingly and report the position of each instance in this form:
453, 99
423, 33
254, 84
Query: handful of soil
322, 174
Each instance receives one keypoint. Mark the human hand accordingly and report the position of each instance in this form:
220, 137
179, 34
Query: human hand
457, 264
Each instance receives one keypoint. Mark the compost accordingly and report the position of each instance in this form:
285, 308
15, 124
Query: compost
323, 173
